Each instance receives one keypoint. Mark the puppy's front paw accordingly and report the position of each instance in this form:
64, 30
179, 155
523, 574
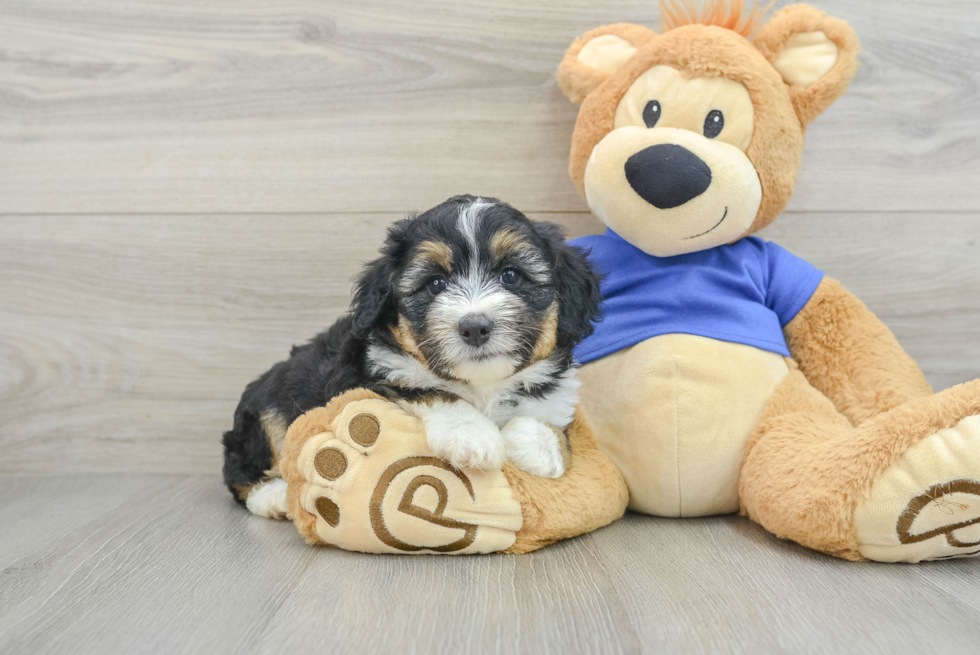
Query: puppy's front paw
535, 447
464, 437
470, 450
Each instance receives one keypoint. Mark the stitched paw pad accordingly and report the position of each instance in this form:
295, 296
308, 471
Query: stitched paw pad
373, 485
927, 505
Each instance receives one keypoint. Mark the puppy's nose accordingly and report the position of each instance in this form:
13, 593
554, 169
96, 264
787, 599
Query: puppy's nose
667, 175
475, 329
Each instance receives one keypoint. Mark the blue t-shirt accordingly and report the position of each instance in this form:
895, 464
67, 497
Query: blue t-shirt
744, 292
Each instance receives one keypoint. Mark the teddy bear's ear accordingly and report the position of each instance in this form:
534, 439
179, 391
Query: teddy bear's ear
598, 54
815, 54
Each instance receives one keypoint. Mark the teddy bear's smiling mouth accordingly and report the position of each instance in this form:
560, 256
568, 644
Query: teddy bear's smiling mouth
725, 215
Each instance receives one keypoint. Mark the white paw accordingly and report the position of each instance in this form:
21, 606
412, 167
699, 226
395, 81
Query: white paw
462, 436
268, 499
534, 447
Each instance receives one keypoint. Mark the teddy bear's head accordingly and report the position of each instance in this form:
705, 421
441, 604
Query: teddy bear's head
692, 138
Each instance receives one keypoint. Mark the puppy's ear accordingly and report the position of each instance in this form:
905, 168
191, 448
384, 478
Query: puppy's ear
598, 54
374, 303
577, 286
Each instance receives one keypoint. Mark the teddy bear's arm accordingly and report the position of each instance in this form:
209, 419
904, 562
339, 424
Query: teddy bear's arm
850, 356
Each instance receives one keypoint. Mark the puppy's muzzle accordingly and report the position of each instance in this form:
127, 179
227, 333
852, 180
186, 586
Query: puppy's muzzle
667, 175
475, 329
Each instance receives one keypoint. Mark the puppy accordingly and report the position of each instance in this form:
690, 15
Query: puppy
467, 319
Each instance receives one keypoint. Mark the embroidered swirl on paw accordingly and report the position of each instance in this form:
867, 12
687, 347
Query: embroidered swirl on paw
407, 504
937, 497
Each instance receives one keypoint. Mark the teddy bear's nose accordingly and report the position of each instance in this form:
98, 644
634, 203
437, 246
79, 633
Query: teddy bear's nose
667, 175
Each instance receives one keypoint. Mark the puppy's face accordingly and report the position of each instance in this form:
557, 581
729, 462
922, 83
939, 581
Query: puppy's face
477, 301
476, 291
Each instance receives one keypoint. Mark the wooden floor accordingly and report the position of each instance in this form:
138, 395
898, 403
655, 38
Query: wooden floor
167, 563
186, 189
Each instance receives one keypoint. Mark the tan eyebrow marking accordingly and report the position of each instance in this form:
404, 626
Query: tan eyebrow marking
506, 241
437, 252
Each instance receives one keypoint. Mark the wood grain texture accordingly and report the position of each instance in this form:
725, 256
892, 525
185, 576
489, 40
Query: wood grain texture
178, 568
384, 105
125, 342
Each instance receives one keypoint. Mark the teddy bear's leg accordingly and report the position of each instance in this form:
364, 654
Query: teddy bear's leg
903, 486
361, 476
591, 493
851, 357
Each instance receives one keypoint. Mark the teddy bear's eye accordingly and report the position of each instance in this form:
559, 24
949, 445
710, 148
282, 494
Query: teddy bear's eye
714, 123
651, 113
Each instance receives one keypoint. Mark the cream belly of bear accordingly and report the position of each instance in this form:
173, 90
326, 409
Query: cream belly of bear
674, 413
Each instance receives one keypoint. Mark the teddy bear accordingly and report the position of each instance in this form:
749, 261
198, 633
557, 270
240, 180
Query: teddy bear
728, 375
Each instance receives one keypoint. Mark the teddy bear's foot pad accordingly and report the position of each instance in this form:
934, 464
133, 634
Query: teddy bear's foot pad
373, 485
926, 506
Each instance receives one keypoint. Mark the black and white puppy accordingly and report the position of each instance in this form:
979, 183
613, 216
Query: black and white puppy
467, 319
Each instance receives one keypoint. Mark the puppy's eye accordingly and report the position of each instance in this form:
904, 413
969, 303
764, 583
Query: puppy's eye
714, 123
651, 113
436, 285
510, 277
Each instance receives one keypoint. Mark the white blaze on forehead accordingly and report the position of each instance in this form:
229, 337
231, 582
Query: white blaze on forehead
469, 221
532, 262
476, 293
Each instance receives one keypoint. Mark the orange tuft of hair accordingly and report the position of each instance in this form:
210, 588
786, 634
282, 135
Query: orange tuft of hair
729, 14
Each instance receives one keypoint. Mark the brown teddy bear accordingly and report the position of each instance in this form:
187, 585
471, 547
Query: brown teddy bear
728, 374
